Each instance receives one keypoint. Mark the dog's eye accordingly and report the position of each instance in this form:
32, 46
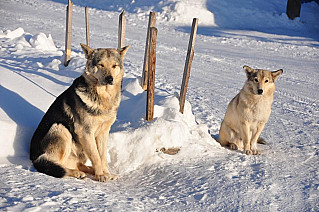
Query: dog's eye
114, 66
100, 65
256, 80
266, 81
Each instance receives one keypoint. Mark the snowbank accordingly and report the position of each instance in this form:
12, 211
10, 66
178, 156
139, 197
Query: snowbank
133, 141
248, 14
174, 11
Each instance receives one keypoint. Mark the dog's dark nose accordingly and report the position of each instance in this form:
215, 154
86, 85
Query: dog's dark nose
260, 91
108, 80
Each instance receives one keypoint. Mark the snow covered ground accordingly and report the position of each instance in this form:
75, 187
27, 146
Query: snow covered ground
202, 176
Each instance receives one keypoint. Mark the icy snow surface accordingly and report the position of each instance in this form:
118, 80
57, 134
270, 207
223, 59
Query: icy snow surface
203, 176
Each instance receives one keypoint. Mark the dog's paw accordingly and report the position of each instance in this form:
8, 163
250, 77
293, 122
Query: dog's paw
113, 177
106, 177
233, 146
248, 152
79, 174
256, 152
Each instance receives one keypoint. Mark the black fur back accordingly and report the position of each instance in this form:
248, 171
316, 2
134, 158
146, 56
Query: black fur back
55, 115
49, 168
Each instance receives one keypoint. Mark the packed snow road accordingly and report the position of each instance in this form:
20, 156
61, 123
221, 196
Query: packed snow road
203, 176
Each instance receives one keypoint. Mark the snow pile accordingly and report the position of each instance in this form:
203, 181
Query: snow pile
133, 141
43, 42
12, 34
182, 12
39, 41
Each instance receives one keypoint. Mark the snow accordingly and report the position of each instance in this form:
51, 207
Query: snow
203, 176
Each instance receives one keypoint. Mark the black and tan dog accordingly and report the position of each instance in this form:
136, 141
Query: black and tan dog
76, 126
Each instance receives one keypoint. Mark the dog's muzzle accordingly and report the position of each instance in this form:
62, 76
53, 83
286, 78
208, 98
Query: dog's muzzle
260, 91
108, 80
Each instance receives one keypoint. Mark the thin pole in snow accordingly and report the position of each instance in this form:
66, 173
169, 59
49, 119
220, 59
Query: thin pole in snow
121, 32
68, 35
188, 65
151, 23
151, 75
87, 26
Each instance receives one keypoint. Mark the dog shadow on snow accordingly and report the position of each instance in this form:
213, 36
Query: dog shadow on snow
26, 116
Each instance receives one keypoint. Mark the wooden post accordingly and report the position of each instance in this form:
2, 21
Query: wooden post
188, 64
151, 75
293, 9
121, 33
68, 35
151, 23
87, 26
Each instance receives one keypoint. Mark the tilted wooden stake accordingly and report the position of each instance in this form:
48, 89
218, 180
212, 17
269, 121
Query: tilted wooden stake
151, 23
151, 75
68, 34
87, 26
188, 65
122, 27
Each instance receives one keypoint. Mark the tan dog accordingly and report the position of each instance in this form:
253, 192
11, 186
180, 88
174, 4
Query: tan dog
249, 111
76, 126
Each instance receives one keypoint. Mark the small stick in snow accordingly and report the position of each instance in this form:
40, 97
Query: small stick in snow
169, 151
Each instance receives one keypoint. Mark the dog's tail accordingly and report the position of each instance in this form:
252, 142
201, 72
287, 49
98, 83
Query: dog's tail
261, 141
48, 167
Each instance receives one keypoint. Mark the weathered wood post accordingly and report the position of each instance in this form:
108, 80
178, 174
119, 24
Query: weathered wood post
151, 75
87, 26
293, 8
68, 34
121, 32
151, 23
188, 65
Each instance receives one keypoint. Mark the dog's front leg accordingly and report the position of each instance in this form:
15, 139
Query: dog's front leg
101, 142
90, 147
246, 137
255, 137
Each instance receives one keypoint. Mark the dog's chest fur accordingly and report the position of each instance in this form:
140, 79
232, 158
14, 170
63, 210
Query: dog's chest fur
256, 108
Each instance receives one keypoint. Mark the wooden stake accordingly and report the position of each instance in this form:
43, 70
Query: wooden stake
188, 65
151, 23
87, 26
68, 35
151, 75
121, 33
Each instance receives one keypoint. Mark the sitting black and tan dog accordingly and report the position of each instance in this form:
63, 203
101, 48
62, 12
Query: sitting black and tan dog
76, 126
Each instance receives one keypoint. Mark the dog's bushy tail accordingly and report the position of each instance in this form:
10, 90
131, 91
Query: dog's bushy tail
48, 167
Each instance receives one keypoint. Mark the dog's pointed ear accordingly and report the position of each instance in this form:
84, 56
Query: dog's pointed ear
248, 70
87, 50
123, 51
276, 74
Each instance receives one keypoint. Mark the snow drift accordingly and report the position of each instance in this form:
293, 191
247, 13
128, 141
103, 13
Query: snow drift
248, 14
133, 141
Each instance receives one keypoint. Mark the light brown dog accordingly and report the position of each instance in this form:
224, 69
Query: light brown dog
76, 126
249, 111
